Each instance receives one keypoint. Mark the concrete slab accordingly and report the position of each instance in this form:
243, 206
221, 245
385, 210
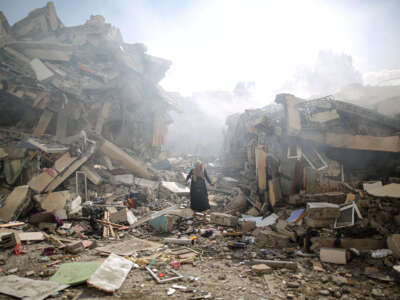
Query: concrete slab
117, 154
28, 289
14, 204
40, 182
146, 183
41, 71
63, 162
129, 247
92, 175
53, 201
176, 188
391, 190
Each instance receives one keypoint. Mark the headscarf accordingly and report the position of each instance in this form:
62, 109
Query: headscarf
198, 171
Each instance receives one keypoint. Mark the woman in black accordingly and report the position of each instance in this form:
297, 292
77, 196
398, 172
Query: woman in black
198, 189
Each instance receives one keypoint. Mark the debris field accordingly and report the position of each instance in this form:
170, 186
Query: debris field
306, 202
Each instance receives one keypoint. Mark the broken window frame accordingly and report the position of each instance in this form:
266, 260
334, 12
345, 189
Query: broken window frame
353, 206
325, 165
298, 153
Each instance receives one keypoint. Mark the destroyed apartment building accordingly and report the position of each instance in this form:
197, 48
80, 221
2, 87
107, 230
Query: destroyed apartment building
337, 159
61, 80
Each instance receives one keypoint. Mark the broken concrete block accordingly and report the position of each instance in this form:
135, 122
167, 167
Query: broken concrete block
9, 240
124, 179
15, 203
319, 223
334, 255
391, 190
322, 210
247, 226
124, 216
25, 288
92, 175
261, 269
31, 236
281, 227
75, 247
164, 223
224, 219
270, 239
111, 274
53, 201
41, 71
393, 242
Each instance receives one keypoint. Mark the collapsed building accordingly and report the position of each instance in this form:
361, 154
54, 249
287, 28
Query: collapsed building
75, 102
326, 151
61, 80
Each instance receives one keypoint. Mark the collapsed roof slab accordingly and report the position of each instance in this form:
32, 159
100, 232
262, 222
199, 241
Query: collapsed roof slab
356, 142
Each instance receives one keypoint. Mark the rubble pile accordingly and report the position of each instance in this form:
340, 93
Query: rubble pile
327, 166
61, 80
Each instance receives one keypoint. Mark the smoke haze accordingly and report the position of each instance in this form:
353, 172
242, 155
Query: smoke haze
311, 48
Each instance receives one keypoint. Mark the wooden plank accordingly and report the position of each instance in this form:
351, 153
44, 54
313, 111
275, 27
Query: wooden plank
274, 191
12, 224
105, 228
43, 123
261, 168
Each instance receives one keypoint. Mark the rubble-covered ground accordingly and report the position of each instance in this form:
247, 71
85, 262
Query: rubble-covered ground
305, 203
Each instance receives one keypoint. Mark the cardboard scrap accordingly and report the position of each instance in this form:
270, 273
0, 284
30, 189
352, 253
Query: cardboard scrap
75, 273
111, 274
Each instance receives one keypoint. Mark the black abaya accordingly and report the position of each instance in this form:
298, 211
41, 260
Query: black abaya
198, 192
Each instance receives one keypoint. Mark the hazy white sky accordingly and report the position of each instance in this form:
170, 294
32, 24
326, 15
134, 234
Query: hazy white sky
213, 44
218, 43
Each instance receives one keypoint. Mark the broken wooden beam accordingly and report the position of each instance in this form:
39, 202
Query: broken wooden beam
277, 263
43, 123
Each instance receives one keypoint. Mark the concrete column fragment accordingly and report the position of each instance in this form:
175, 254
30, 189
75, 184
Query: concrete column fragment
124, 159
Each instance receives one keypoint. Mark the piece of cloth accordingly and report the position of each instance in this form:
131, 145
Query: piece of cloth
198, 192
